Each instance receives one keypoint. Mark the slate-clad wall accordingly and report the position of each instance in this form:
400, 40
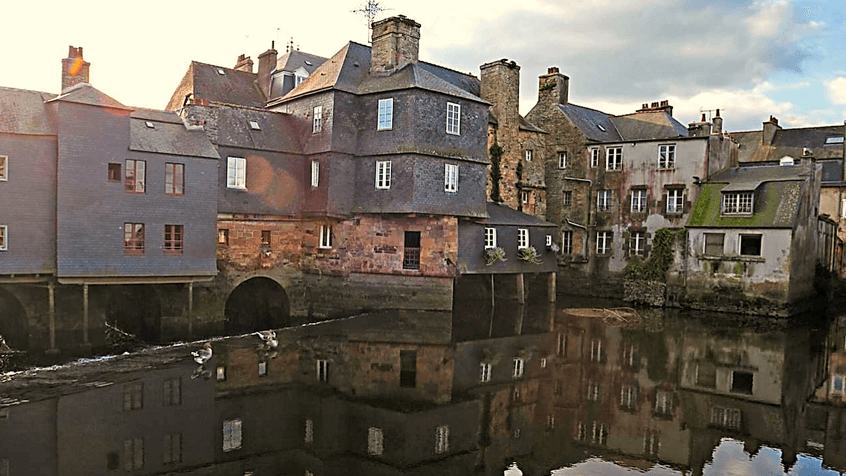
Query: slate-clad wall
29, 204
471, 253
92, 210
275, 182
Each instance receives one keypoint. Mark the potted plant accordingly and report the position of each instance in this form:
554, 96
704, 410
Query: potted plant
529, 255
492, 255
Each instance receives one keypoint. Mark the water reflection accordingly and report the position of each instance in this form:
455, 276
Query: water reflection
583, 391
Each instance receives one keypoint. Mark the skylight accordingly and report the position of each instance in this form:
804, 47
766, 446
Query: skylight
600, 127
834, 140
254, 126
308, 63
150, 125
220, 71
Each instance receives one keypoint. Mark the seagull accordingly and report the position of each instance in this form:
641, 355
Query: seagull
269, 338
203, 355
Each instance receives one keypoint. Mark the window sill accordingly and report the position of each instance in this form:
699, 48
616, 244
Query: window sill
666, 169
240, 189
172, 252
133, 252
174, 194
385, 129
748, 259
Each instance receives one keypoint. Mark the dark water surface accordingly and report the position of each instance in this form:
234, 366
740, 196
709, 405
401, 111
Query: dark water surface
559, 391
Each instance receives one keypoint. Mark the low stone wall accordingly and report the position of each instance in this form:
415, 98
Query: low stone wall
650, 293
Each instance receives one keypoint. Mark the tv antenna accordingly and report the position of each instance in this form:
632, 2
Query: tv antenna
711, 111
369, 10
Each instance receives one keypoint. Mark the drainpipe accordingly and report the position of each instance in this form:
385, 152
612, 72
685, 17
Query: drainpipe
590, 183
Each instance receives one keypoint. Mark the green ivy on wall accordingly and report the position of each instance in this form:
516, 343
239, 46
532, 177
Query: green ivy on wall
496, 172
660, 258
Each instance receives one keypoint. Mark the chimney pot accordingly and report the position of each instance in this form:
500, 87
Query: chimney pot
552, 70
645, 105
703, 117
665, 103
655, 104
718, 113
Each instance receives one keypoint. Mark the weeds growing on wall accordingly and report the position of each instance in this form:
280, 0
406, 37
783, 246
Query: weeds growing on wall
660, 258
496, 172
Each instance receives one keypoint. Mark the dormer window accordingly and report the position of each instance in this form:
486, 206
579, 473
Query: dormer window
834, 140
255, 126
221, 72
738, 203
150, 125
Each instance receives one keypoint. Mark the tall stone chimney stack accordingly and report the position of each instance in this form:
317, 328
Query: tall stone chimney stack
266, 65
553, 87
770, 128
717, 128
396, 43
501, 88
74, 68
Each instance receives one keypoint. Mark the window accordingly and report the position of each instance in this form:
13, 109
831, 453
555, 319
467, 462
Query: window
714, 243
515, 394
4, 237
450, 178
517, 367
663, 403
223, 236
172, 448
593, 391
322, 370
527, 154
411, 250
596, 351
637, 245
262, 369
581, 431
651, 444
375, 443
383, 174
325, 236
675, 200
317, 123
603, 200
309, 431
485, 372
843, 208
133, 238
567, 242
386, 114
568, 198
298, 78
750, 245
408, 368
550, 421
667, 156
172, 391
614, 158
453, 122
524, 197
133, 454
594, 156
517, 433
231, 435
638, 201
220, 373
236, 173
114, 171
559, 387
562, 344
490, 238
725, 417
603, 242
522, 238
254, 125
174, 179
543, 362
706, 375
315, 173
737, 203
628, 396
631, 356
265, 237
741, 382
133, 396
599, 435
548, 240
442, 439
136, 176
562, 160
837, 383
173, 240
834, 140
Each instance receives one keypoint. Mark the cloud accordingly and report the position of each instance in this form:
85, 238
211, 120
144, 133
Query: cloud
837, 90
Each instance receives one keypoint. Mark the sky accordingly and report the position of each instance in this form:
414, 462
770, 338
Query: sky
751, 60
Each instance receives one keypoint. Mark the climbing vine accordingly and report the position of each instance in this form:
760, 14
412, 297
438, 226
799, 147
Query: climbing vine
660, 258
496, 172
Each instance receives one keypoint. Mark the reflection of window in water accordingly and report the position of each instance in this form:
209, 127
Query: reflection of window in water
741, 382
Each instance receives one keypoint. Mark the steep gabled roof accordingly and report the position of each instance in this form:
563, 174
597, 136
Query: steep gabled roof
23, 112
595, 125
84, 93
277, 132
648, 125
294, 60
167, 136
790, 142
205, 83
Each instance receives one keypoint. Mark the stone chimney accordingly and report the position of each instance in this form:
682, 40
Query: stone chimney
553, 87
396, 43
717, 129
266, 66
770, 128
657, 106
501, 87
698, 129
74, 68
244, 64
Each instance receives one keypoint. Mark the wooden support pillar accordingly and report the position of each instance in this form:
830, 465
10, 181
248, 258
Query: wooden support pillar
521, 290
51, 292
191, 309
552, 288
85, 314
493, 307
518, 326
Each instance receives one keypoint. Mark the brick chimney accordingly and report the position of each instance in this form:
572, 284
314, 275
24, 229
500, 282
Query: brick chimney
553, 87
396, 43
770, 128
74, 68
698, 129
717, 129
501, 87
266, 66
244, 64
657, 106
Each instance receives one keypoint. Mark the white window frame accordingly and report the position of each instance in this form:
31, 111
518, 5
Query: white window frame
568, 198
594, 157
442, 439
317, 120
385, 115
562, 160
236, 173
4, 168
298, 78
490, 238
138, 170
638, 243
383, 174
675, 200
603, 200
4, 237
599, 435
603, 239
518, 367
593, 391
639, 196
628, 396
651, 444
614, 158
527, 154
315, 173
667, 156
663, 402
325, 237
453, 119
220, 373
596, 350
485, 372
262, 368
451, 178
322, 367
522, 238
738, 203
843, 208
232, 435
548, 240
524, 196
375, 441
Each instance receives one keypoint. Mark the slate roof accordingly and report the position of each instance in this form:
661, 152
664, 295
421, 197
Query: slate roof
278, 132
84, 93
232, 87
23, 112
789, 142
588, 121
294, 60
167, 136
598, 126
499, 214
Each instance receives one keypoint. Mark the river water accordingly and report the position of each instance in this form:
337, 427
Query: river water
581, 388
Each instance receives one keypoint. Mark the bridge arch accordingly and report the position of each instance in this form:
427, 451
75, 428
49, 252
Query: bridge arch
14, 326
135, 308
257, 303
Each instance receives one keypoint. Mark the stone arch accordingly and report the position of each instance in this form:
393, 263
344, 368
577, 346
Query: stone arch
135, 308
14, 326
257, 303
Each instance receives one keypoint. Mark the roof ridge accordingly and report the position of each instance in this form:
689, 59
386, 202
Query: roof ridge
426, 62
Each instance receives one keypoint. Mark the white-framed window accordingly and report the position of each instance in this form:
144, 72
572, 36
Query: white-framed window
628, 396
299, 78
568, 198
325, 236
562, 160
548, 240
490, 238
603, 200
638, 200
594, 156
220, 373
561, 348
485, 372
133, 454
4, 168
518, 366
4, 237
596, 350
613, 158
675, 200
593, 391
550, 421
637, 243
567, 242
543, 362
236, 173
651, 444
522, 238
383, 174
725, 417
442, 439
386, 114
663, 403
309, 431
603, 242
524, 196
171, 391
599, 435
527, 154
315, 173
135, 179
262, 368
133, 396
453, 119
738, 203
581, 431
667, 156
375, 442
322, 370
317, 120
450, 177
231, 435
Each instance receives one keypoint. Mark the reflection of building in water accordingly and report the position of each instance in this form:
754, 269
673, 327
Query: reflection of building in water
825, 426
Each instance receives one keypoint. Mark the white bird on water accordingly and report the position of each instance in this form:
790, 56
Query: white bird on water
269, 338
203, 355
